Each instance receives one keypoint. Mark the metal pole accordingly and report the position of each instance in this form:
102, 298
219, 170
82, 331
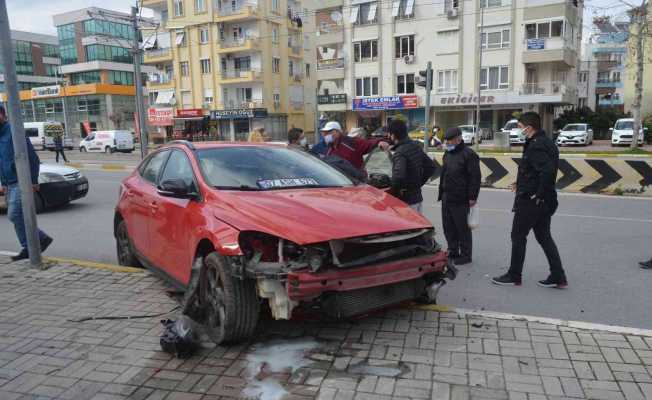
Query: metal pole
66, 130
140, 105
19, 141
426, 134
477, 112
317, 115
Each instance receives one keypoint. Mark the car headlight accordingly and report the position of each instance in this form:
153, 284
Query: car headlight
49, 177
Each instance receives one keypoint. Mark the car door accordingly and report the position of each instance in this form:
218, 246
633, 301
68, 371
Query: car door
141, 192
172, 221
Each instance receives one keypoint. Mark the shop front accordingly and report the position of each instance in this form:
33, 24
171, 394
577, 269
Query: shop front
190, 124
373, 112
236, 124
162, 120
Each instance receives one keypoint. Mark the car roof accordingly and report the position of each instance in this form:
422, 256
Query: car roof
217, 145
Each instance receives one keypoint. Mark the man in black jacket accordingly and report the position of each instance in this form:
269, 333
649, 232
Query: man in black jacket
411, 167
459, 187
535, 203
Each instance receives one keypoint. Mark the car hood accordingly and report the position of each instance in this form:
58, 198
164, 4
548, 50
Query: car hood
307, 216
572, 133
57, 169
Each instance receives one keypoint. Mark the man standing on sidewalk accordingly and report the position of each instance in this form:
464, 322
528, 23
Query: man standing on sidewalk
459, 188
535, 203
11, 189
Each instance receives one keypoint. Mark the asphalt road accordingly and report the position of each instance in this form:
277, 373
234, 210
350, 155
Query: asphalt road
600, 239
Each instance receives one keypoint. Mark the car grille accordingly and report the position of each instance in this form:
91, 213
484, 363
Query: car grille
625, 136
72, 177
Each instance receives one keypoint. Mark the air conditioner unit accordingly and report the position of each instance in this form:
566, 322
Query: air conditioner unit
409, 59
452, 13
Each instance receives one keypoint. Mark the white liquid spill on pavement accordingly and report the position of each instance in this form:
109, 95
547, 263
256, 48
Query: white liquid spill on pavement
275, 357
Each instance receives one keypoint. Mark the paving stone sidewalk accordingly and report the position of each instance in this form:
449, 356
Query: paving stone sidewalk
399, 354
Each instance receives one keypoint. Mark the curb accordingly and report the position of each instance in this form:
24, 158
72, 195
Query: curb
95, 265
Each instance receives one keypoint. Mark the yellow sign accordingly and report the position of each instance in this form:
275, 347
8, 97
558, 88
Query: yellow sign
80, 90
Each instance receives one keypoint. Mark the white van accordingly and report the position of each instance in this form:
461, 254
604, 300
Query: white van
108, 142
516, 135
41, 134
623, 132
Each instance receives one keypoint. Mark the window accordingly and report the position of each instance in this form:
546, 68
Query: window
178, 167
405, 84
275, 5
496, 40
277, 100
494, 78
494, 3
276, 65
203, 35
275, 34
108, 28
153, 167
403, 9
404, 46
121, 78
186, 99
291, 68
364, 14
447, 81
103, 52
365, 51
208, 97
616, 76
307, 70
365, 87
200, 6
603, 77
205, 65
181, 38
542, 30
81, 78
583, 76
178, 8
184, 68
450, 5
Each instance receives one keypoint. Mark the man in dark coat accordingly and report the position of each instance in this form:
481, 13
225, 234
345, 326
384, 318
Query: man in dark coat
459, 187
535, 203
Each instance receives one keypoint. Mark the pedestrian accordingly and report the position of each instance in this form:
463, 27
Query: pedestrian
257, 135
58, 148
411, 167
535, 203
11, 189
348, 148
646, 264
459, 188
297, 139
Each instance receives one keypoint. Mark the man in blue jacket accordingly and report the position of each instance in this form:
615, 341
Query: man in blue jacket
11, 189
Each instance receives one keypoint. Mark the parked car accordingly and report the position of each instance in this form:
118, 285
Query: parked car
468, 134
623, 132
58, 186
108, 142
516, 135
41, 134
575, 134
236, 224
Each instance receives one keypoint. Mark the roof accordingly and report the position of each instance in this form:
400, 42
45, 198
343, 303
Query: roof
215, 145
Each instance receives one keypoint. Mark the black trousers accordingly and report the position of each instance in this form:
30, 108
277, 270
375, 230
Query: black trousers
456, 229
530, 216
60, 151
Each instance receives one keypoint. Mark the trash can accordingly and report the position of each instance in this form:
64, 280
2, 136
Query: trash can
501, 140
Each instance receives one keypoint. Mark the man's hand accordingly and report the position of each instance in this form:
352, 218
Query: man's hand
472, 203
512, 187
36, 188
384, 146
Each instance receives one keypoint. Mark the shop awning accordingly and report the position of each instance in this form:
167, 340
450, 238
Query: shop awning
189, 118
165, 97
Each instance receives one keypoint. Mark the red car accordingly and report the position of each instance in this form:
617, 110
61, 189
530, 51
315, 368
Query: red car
234, 224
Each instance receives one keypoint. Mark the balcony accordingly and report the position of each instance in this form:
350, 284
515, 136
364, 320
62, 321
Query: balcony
549, 92
611, 84
158, 56
330, 35
242, 12
240, 45
155, 4
160, 81
240, 76
296, 78
611, 102
335, 63
235, 104
332, 102
544, 50
295, 50
294, 16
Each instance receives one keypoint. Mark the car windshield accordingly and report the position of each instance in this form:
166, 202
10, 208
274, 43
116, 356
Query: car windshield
624, 125
266, 168
511, 125
466, 128
574, 127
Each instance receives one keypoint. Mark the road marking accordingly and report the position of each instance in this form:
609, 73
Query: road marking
85, 264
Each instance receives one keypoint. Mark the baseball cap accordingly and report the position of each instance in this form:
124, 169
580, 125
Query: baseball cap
332, 125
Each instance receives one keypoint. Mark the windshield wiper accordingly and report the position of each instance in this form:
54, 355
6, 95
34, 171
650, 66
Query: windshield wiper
244, 188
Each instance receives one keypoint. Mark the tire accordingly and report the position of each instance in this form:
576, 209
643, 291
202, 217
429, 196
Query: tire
124, 248
39, 203
108, 150
82, 149
231, 304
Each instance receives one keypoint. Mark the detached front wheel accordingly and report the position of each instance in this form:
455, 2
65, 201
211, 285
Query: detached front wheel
231, 305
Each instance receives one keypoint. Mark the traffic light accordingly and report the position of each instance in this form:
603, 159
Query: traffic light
425, 79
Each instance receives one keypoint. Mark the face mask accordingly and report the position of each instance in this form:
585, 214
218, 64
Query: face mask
303, 142
450, 147
329, 139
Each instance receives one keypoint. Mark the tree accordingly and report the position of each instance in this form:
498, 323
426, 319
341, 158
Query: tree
638, 31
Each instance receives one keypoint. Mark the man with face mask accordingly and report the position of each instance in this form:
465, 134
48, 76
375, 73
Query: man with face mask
297, 139
534, 204
348, 148
411, 167
10, 188
459, 187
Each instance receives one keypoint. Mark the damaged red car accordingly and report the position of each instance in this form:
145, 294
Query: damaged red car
238, 225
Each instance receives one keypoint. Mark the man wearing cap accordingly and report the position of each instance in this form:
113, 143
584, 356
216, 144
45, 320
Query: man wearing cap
459, 187
349, 148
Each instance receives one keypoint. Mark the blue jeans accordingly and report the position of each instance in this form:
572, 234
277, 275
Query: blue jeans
15, 214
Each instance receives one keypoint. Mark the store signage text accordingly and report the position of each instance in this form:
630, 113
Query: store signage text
386, 103
160, 116
468, 99
46, 91
190, 113
242, 113
339, 98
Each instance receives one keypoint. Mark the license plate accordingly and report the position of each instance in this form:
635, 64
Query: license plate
82, 187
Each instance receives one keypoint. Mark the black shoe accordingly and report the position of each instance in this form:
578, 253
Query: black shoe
23, 255
646, 264
506, 280
45, 243
462, 260
554, 283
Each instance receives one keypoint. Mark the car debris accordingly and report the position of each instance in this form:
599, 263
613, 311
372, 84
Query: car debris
179, 337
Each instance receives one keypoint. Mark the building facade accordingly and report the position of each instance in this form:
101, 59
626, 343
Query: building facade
37, 59
225, 68
646, 102
369, 54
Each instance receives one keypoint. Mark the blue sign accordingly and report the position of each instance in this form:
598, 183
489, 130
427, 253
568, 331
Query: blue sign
536, 44
386, 103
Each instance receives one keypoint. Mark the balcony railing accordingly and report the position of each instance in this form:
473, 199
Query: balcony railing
241, 8
161, 78
158, 53
234, 104
547, 88
553, 43
241, 74
339, 98
296, 77
608, 83
335, 63
241, 42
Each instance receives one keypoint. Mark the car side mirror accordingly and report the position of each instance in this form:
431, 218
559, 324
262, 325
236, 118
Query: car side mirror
177, 188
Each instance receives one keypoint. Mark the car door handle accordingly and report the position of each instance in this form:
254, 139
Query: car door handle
154, 207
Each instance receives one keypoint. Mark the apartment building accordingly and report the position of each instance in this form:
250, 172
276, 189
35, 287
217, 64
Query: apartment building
369, 54
37, 58
225, 68
630, 72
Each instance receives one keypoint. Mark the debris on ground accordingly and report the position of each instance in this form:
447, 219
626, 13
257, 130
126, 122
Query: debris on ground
179, 337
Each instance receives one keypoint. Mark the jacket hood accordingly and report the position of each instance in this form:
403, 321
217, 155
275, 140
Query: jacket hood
307, 216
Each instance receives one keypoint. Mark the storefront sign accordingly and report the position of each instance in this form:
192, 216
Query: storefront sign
464, 100
190, 113
536, 44
46, 91
160, 116
331, 99
242, 113
386, 103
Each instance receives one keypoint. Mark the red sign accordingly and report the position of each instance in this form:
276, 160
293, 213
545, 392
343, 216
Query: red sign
160, 116
410, 101
190, 113
87, 127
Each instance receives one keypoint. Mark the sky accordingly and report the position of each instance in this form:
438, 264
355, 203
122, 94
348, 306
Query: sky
36, 15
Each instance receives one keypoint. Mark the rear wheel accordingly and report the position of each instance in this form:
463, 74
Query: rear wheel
231, 305
125, 251
39, 203
82, 149
108, 150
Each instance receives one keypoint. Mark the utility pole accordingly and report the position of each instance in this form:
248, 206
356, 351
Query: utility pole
477, 111
638, 17
66, 131
140, 105
426, 82
19, 141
